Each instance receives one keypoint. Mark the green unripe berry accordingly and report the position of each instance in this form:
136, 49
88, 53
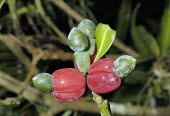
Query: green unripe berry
77, 41
43, 82
87, 27
123, 65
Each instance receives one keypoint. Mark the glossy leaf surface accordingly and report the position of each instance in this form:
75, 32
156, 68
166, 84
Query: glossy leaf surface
104, 39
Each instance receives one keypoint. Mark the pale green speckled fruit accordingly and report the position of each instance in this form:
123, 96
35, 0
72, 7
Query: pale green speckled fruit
43, 82
88, 28
77, 41
124, 65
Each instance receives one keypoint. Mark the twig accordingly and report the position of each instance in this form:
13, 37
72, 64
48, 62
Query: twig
46, 54
20, 11
33, 25
48, 20
66, 8
16, 24
10, 101
117, 43
16, 50
13, 85
36, 57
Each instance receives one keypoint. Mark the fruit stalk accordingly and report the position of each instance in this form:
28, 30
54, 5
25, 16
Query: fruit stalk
102, 104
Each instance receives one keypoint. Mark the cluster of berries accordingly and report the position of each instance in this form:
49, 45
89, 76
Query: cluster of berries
102, 76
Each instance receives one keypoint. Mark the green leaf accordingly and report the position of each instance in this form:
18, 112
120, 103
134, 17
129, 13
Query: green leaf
164, 35
136, 35
149, 41
104, 39
123, 19
1, 3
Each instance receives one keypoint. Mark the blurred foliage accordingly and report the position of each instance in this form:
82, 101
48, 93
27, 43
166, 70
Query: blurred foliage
144, 26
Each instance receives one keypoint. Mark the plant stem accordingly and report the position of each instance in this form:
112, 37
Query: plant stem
121, 46
16, 50
66, 8
48, 20
102, 104
16, 24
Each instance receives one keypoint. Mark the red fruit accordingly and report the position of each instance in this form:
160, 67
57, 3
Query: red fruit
101, 78
68, 82
103, 82
103, 65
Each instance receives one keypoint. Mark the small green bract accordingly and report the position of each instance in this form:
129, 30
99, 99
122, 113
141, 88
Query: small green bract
43, 82
77, 41
82, 61
123, 65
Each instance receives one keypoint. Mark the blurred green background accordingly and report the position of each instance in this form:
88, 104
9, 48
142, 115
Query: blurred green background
33, 38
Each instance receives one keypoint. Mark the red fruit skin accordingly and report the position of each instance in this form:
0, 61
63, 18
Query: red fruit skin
101, 66
92, 57
68, 80
103, 82
69, 96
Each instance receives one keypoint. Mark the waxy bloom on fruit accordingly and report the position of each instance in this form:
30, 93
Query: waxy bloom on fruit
124, 65
88, 28
77, 40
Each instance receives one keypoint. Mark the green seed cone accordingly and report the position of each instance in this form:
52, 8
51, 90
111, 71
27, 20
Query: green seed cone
124, 65
43, 82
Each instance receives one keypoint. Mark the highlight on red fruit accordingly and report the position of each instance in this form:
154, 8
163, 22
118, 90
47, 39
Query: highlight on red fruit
102, 65
101, 78
103, 82
69, 84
